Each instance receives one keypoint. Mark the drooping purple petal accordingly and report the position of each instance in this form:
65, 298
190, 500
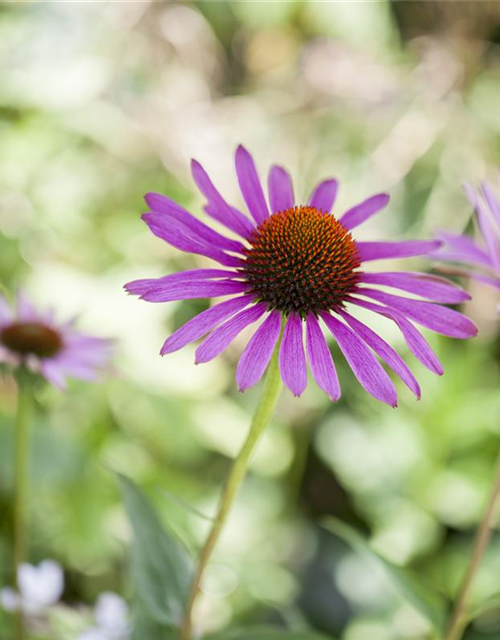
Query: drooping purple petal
324, 194
222, 337
403, 249
364, 210
416, 342
492, 202
367, 369
421, 284
204, 322
178, 236
258, 352
161, 204
435, 317
5, 311
487, 225
492, 282
320, 359
75, 369
53, 373
219, 209
86, 349
384, 351
250, 186
292, 359
280, 190
140, 287
170, 291
460, 248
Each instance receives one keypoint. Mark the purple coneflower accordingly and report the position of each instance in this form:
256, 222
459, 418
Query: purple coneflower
298, 265
55, 350
485, 257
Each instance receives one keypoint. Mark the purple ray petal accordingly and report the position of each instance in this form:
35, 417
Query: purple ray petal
139, 287
161, 204
384, 351
222, 337
364, 210
324, 195
292, 359
367, 369
204, 322
26, 311
403, 249
435, 317
53, 373
188, 290
492, 282
280, 190
250, 186
487, 225
320, 359
219, 209
76, 369
179, 237
460, 248
492, 202
416, 342
5, 311
258, 352
421, 284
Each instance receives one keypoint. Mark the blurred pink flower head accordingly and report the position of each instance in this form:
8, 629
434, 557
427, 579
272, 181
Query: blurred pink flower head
55, 350
481, 259
111, 617
40, 587
297, 265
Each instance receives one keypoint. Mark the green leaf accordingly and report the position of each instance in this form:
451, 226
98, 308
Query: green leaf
161, 566
267, 633
143, 626
427, 603
484, 608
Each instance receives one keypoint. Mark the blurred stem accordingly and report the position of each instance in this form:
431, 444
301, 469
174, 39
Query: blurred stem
460, 619
21, 480
265, 410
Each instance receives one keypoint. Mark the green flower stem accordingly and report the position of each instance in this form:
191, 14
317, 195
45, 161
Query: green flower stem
22, 454
265, 410
460, 617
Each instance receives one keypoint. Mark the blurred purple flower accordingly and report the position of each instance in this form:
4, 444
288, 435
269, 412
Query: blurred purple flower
40, 587
111, 617
481, 259
298, 264
55, 350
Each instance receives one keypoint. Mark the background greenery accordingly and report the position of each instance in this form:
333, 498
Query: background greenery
102, 102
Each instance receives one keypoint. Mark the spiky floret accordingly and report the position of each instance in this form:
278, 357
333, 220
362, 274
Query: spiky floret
302, 259
26, 338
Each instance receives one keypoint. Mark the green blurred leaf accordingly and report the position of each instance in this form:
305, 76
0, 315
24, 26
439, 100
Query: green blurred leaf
427, 603
489, 606
144, 627
161, 566
267, 633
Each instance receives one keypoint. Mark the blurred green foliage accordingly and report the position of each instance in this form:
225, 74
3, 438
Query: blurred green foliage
102, 102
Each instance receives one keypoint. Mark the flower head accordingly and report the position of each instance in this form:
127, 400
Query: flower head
33, 338
40, 587
111, 617
297, 265
481, 259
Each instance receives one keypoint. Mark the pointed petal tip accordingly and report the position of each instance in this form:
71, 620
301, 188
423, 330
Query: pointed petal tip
148, 196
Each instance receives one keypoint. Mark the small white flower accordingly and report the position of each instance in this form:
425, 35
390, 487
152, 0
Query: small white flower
110, 613
40, 587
